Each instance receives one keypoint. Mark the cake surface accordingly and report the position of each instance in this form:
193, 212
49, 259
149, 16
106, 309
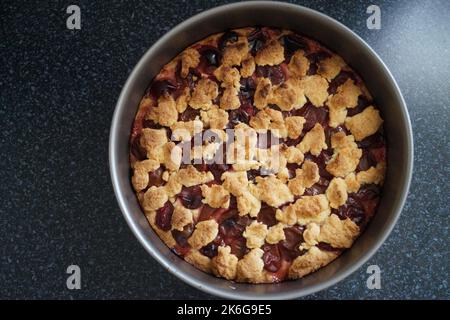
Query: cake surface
258, 155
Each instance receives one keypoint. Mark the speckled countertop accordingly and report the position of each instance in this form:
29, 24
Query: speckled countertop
58, 90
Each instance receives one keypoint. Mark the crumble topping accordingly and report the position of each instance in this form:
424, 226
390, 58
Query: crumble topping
346, 155
155, 198
235, 52
153, 141
337, 192
165, 113
248, 67
316, 89
339, 233
288, 95
235, 182
216, 196
190, 176
311, 234
182, 101
372, 175
255, 234
313, 141
204, 92
230, 99
310, 209
185, 130
250, 267
364, 124
275, 233
216, 118
346, 97
309, 262
262, 93
247, 203
305, 177
189, 59
292, 155
352, 183
225, 263
141, 170
299, 65
273, 191
271, 54
181, 216
329, 68
200, 261
205, 232
229, 76
294, 126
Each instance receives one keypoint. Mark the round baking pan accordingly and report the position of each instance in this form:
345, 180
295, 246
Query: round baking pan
333, 35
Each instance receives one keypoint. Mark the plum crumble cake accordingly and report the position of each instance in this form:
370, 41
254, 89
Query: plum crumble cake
258, 155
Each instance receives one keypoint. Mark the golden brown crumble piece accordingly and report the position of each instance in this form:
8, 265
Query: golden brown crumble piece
309, 209
236, 52
235, 182
181, 216
288, 95
216, 196
294, 126
346, 155
216, 118
293, 155
372, 175
172, 156
189, 176
225, 263
140, 173
337, 192
304, 178
189, 59
155, 198
346, 96
272, 54
248, 67
173, 186
269, 119
182, 100
338, 233
311, 234
153, 140
205, 232
313, 141
255, 234
316, 89
229, 76
185, 130
273, 191
364, 124
230, 99
352, 183
204, 92
198, 260
299, 65
165, 113
288, 217
262, 92
247, 203
329, 68
250, 267
275, 233
310, 262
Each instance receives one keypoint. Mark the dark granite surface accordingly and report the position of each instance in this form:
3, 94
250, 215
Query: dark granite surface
58, 89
